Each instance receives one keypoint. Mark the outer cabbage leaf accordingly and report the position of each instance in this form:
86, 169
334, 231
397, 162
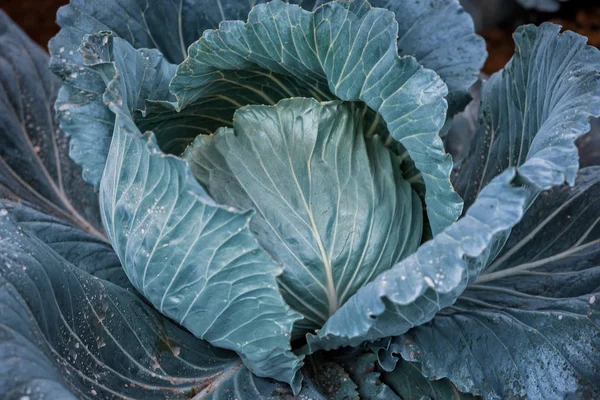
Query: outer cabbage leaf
168, 26
351, 47
415, 289
65, 334
530, 324
172, 26
463, 127
34, 166
363, 371
406, 380
441, 36
332, 205
534, 110
142, 74
79, 248
195, 261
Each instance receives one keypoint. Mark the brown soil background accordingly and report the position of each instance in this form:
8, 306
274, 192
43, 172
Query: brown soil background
576, 15
37, 18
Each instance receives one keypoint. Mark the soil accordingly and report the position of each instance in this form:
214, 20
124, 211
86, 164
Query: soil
37, 18
575, 15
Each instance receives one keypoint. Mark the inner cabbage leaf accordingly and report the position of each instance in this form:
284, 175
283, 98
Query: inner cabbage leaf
332, 204
352, 48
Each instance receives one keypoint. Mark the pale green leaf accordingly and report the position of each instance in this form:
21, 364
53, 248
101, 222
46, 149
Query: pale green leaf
195, 261
332, 205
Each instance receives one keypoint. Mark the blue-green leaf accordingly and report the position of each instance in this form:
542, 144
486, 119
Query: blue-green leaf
456, 56
534, 110
462, 128
432, 278
441, 36
332, 205
140, 75
415, 289
81, 249
362, 370
67, 335
406, 380
168, 27
195, 261
530, 324
34, 166
351, 47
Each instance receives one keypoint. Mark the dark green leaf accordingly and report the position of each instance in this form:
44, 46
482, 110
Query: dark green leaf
534, 110
363, 371
67, 335
530, 324
81, 249
406, 380
440, 270
441, 36
34, 166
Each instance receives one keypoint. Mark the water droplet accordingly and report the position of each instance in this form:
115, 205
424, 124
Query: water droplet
429, 281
